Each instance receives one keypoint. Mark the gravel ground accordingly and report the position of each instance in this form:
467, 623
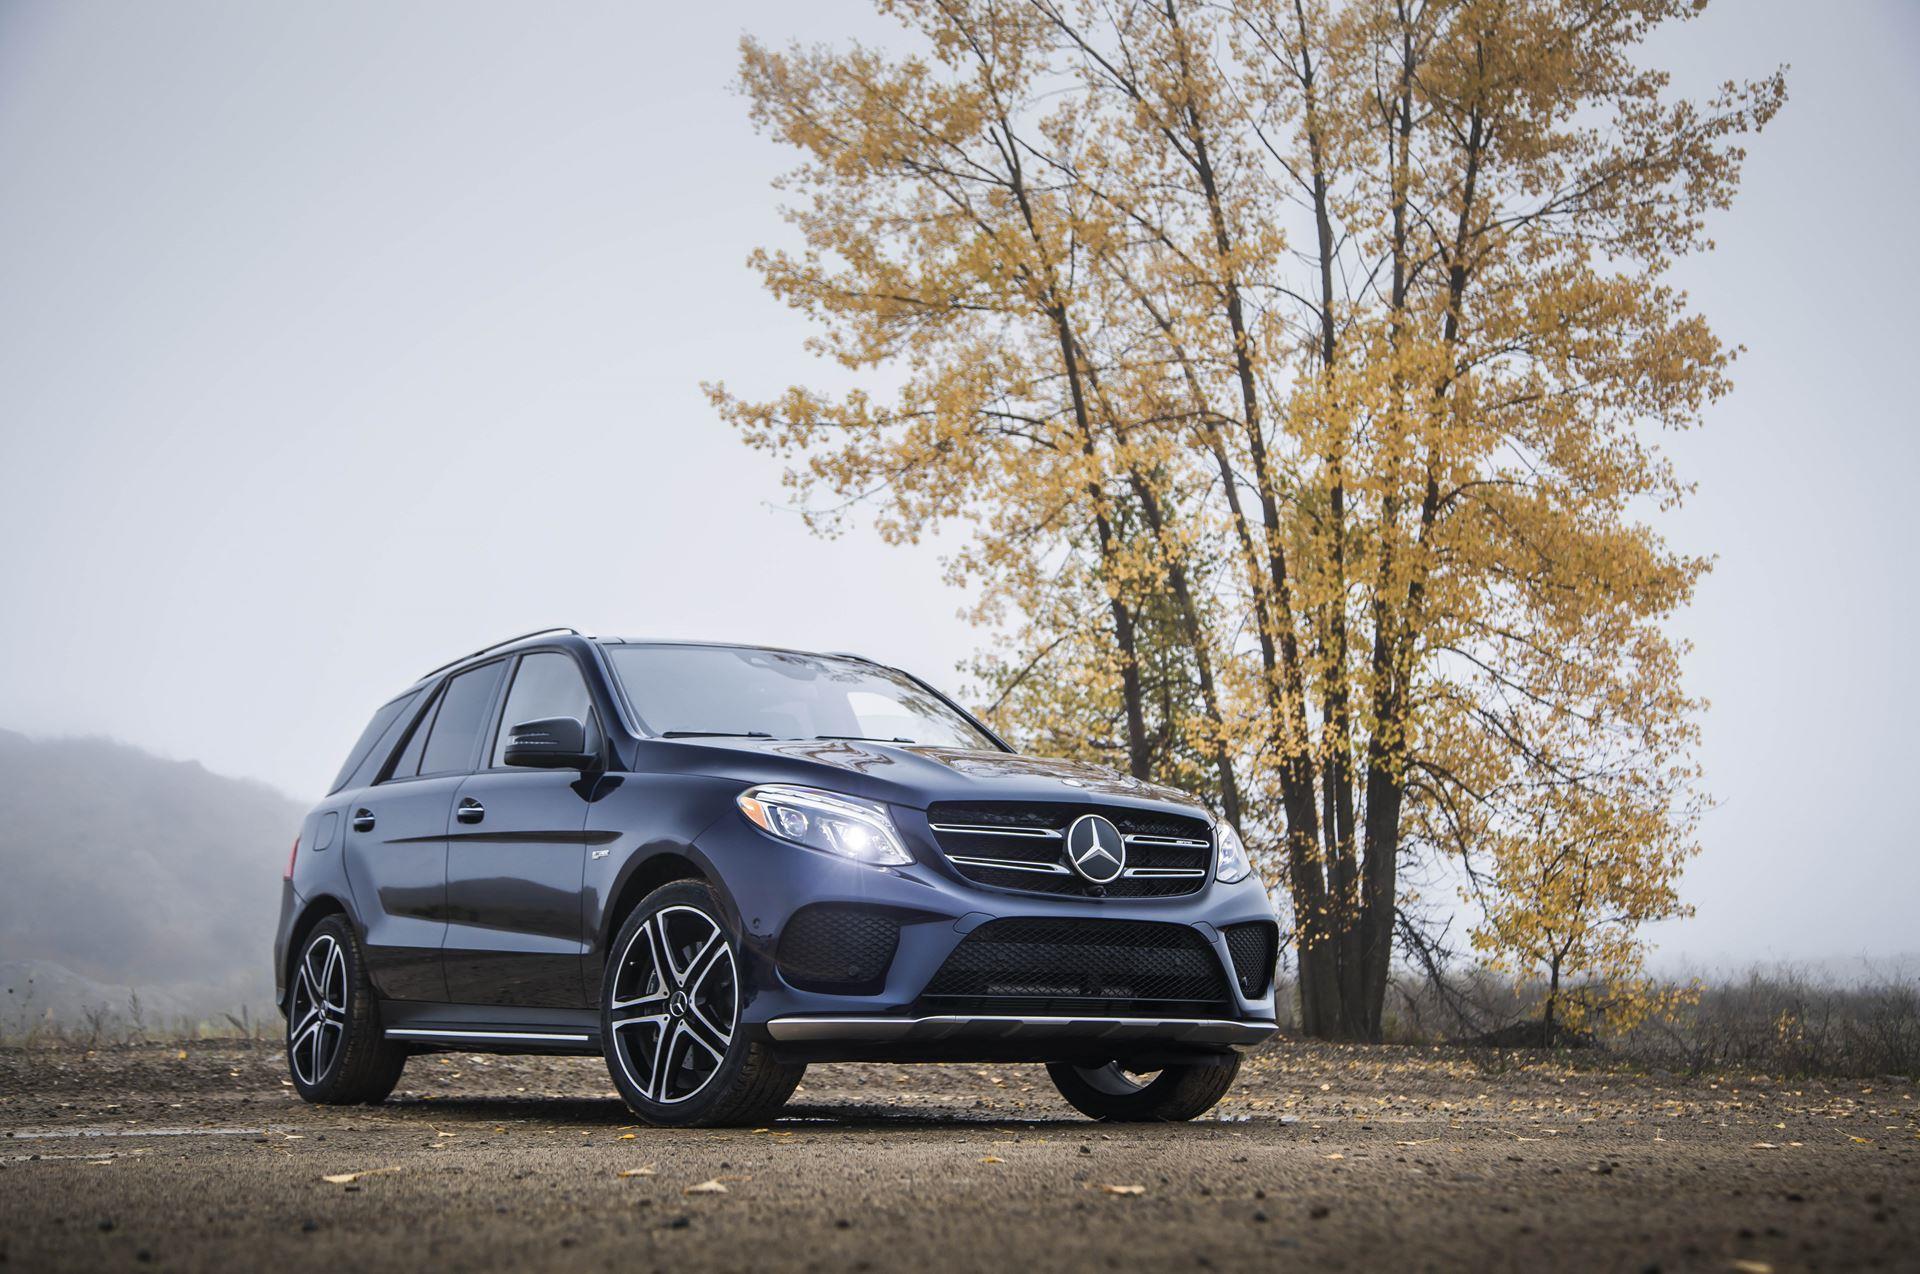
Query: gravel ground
202, 1158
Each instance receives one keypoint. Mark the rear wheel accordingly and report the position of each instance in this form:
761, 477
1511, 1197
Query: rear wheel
670, 1017
337, 1052
1169, 1095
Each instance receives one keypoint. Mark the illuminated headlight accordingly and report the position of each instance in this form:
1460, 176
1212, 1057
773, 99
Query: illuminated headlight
843, 825
1234, 864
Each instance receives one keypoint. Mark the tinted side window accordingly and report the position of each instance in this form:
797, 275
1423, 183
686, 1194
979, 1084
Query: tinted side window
547, 684
375, 742
455, 736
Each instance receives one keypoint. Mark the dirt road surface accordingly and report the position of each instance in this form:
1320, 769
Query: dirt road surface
200, 1158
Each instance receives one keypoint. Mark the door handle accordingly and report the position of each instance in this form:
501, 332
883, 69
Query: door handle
470, 811
362, 820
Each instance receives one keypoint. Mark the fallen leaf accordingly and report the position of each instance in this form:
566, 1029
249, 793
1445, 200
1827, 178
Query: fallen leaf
628, 1136
1764, 1145
637, 1172
1336, 1155
183, 1055
706, 1187
991, 1159
1750, 1267
1106, 1189
348, 1178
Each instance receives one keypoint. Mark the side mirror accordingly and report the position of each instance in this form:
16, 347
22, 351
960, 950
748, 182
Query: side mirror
553, 743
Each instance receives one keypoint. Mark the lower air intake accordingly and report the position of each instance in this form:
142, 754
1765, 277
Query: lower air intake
1120, 967
1254, 948
826, 947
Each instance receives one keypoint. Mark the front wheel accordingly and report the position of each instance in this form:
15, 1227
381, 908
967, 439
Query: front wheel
336, 1051
1118, 1095
670, 1018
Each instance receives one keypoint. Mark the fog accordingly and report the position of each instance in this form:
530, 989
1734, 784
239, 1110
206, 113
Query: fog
338, 339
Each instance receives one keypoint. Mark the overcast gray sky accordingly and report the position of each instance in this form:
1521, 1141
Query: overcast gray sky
336, 339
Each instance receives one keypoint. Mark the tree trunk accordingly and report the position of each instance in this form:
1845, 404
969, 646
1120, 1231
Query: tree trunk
1551, 1009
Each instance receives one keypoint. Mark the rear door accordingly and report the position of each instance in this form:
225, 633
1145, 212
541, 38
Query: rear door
396, 842
516, 855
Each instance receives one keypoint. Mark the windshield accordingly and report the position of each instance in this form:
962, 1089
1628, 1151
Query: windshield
728, 690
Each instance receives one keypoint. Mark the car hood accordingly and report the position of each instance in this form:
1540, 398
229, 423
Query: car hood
919, 775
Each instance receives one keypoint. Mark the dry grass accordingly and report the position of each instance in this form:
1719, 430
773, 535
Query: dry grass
29, 1024
1776, 1021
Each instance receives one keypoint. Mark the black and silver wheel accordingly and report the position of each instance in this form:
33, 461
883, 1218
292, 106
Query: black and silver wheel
336, 1051
670, 1013
1169, 1095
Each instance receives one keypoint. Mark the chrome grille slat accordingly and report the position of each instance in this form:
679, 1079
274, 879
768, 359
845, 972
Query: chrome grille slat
966, 829
1008, 864
1175, 842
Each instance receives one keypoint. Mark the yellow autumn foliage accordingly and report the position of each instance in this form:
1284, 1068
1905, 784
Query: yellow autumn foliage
1300, 369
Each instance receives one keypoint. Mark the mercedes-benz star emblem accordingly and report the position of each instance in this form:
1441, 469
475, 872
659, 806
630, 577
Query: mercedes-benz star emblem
1095, 849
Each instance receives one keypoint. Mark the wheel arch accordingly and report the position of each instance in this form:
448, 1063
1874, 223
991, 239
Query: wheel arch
318, 908
647, 875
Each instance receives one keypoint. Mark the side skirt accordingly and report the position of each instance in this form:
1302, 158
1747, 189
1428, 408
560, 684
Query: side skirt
491, 1028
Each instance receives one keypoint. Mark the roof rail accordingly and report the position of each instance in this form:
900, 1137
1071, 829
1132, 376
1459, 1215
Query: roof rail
538, 632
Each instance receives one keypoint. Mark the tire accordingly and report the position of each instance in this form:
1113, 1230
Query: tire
337, 1052
670, 1015
1177, 1093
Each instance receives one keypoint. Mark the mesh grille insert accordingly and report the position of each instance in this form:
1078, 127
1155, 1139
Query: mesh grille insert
834, 948
1253, 948
1115, 966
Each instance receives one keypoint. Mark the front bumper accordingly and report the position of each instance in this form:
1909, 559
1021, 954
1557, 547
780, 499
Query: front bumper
767, 881
1210, 1032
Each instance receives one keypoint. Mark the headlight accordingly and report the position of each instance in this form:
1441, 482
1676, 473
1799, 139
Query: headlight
1234, 864
842, 825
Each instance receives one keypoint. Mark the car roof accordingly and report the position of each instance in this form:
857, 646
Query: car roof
560, 635
734, 645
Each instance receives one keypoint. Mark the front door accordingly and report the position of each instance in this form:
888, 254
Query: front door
516, 856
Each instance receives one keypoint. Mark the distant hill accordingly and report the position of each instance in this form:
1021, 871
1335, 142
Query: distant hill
125, 871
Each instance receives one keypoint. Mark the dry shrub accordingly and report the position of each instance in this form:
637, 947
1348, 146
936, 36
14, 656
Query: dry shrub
1774, 1020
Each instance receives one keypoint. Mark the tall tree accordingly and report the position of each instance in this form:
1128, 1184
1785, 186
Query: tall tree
1300, 367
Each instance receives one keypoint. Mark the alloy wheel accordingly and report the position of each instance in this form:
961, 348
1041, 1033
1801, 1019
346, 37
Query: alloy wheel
675, 1004
318, 1021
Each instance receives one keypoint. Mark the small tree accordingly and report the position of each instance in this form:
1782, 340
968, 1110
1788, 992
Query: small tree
1573, 878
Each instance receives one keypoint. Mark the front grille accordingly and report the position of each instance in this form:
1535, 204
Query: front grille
1253, 948
1064, 966
1020, 845
825, 947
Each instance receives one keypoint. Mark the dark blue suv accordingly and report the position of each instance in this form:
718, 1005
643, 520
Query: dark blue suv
716, 863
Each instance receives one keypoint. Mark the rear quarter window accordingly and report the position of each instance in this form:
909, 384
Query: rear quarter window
374, 743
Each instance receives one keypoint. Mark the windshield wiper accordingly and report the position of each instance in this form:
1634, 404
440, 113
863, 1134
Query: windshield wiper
863, 738
715, 734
